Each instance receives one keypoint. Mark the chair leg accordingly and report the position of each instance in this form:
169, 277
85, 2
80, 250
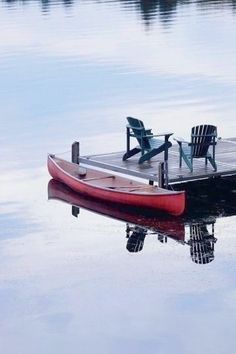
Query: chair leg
213, 163
131, 153
148, 155
189, 162
145, 157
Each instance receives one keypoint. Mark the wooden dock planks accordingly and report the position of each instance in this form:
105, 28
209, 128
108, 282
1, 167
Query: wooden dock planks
225, 159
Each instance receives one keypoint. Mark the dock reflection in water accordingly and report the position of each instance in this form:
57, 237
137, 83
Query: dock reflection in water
195, 229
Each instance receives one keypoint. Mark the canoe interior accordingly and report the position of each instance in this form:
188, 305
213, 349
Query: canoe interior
108, 181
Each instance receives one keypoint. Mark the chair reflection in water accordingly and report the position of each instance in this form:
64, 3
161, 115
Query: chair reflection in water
202, 243
136, 236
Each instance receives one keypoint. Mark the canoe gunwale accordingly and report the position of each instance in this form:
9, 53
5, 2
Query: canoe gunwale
171, 202
112, 189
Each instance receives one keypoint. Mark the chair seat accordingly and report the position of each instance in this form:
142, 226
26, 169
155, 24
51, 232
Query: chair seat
155, 143
186, 149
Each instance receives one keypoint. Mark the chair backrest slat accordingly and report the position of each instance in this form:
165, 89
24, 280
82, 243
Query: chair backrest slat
202, 136
139, 131
201, 244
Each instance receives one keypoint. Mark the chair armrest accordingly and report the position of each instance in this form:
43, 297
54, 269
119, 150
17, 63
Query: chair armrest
181, 140
162, 134
148, 131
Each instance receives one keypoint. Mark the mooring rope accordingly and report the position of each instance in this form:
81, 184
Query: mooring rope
62, 153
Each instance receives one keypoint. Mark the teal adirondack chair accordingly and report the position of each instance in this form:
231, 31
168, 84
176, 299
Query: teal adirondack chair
148, 145
202, 138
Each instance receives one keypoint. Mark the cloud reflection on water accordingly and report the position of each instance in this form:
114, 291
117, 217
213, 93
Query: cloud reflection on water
62, 278
133, 73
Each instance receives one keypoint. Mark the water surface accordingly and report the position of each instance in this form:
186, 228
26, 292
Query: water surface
74, 70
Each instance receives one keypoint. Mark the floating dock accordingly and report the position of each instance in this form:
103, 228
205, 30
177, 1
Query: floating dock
150, 170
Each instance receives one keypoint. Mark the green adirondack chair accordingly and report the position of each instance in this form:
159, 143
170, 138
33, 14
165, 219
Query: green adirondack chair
202, 138
149, 146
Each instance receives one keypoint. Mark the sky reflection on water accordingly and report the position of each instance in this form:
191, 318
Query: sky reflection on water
53, 73
73, 71
68, 279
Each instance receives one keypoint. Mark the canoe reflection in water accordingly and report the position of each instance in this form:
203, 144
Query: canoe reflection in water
195, 228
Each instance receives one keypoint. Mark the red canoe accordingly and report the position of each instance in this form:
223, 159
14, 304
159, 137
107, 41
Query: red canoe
115, 189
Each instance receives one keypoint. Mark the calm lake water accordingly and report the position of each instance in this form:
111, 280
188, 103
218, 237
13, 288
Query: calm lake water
73, 70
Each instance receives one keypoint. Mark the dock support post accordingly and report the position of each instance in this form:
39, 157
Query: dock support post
161, 174
75, 211
166, 175
163, 180
75, 152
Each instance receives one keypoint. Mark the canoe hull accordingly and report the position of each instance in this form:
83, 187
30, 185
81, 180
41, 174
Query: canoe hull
172, 203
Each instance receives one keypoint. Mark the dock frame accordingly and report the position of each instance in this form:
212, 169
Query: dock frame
160, 172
